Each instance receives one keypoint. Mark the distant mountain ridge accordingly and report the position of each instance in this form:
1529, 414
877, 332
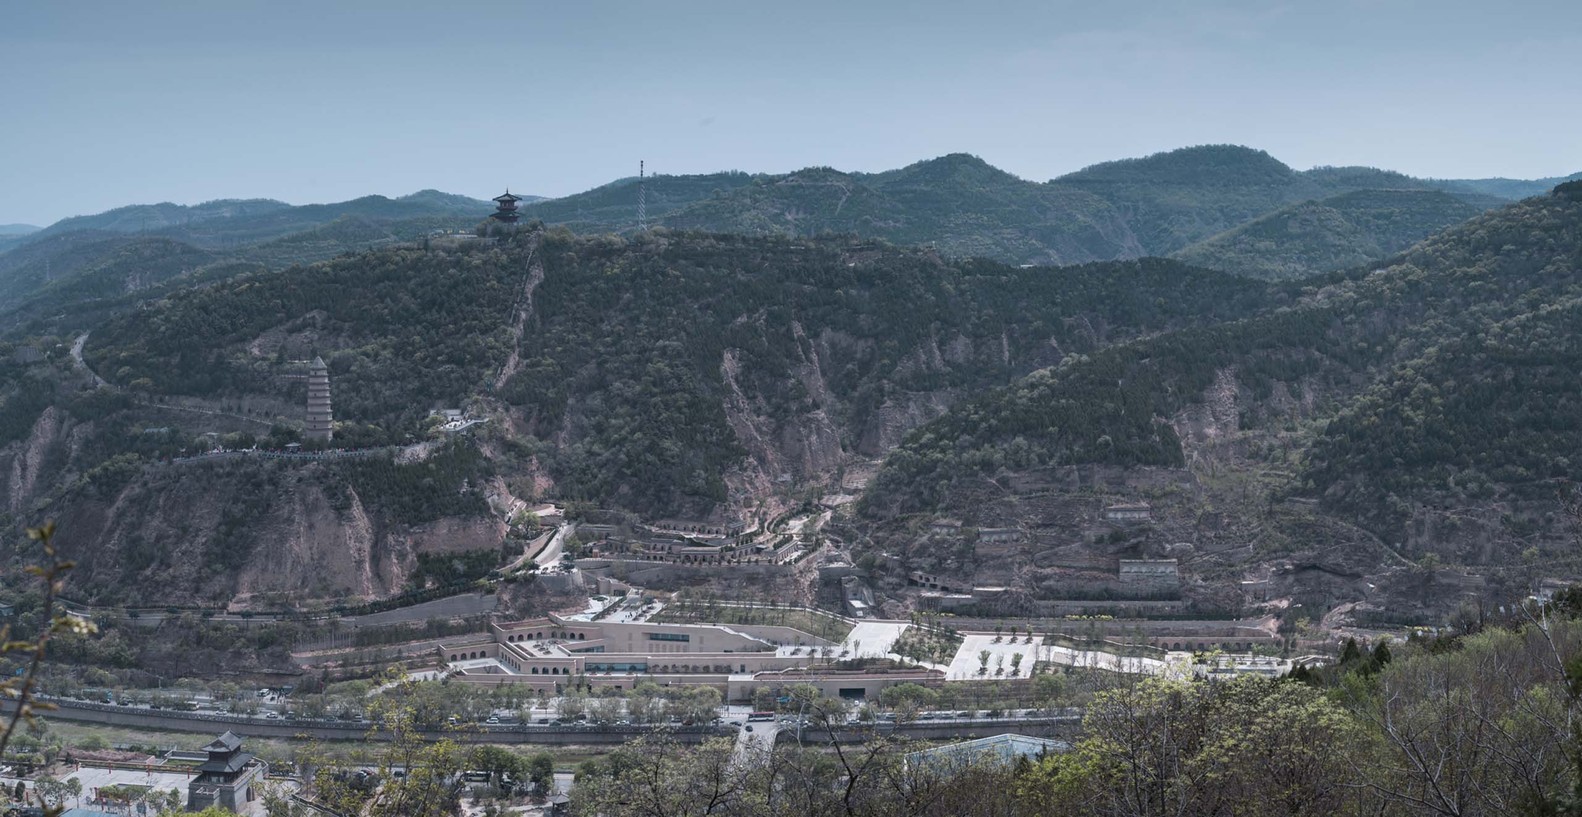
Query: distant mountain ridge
958, 203
1510, 188
1326, 235
1173, 199
230, 221
1189, 201
37, 270
963, 206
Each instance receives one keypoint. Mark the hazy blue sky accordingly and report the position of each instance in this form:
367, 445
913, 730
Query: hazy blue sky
105, 104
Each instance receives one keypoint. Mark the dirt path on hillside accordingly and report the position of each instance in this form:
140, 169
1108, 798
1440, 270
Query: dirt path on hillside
524, 308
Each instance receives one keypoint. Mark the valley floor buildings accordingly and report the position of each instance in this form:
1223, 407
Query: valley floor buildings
554, 653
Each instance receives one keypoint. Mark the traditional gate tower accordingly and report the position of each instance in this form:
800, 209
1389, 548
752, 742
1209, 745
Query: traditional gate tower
320, 420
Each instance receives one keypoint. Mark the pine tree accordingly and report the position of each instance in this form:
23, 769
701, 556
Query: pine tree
1351, 654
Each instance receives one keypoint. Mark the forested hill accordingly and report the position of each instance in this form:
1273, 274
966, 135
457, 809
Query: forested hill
1510, 188
13, 234
965, 207
219, 238
1446, 380
1173, 199
613, 207
404, 331
231, 222
67, 277
652, 368
958, 203
1348, 230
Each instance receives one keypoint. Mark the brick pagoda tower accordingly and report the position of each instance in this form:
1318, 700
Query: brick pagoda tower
320, 420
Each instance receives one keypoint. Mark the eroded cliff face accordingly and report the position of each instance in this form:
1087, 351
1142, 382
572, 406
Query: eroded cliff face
29, 467
811, 445
245, 533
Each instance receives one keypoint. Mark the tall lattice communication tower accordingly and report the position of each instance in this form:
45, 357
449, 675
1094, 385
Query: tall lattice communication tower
642, 199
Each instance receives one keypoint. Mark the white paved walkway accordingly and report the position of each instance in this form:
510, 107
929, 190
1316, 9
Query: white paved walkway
964, 667
873, 638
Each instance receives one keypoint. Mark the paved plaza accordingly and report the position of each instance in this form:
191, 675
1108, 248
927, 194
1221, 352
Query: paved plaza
873, 638
964, 667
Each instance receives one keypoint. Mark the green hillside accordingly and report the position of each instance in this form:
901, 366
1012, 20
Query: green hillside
28, 267
965, 207
959, 204
613, 207
234, 222
1509, 188
402, 330
108, 267
141, 218
1331, 234
71, 281
1446, 379
676, 373
829, 327
1176, 198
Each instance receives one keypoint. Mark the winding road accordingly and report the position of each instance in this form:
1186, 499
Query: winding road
76, 355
